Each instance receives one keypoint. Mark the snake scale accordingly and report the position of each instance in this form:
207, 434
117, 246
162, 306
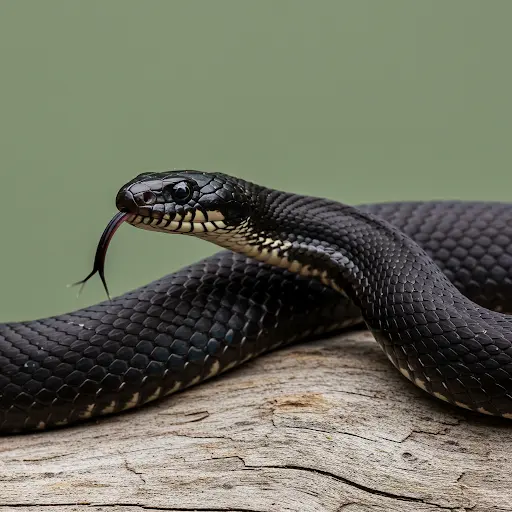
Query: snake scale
431, 280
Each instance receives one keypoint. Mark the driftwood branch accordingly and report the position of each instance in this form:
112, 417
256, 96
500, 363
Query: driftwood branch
323, 426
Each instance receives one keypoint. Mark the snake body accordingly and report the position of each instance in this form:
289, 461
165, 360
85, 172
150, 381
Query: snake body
436, 310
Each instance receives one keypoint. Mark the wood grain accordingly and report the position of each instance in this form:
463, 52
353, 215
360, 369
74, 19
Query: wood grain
328, 425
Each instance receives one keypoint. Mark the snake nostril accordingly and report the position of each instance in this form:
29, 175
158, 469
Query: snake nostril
148, 197
125, 202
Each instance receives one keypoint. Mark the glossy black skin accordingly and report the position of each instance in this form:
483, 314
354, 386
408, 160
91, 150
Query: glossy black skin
178, 192
227, 308
439, 338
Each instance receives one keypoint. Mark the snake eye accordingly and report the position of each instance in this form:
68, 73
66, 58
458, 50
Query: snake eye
180, 192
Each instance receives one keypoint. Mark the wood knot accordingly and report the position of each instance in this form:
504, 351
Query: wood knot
300, 401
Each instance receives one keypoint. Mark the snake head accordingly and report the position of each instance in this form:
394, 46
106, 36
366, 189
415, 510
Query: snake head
188, 202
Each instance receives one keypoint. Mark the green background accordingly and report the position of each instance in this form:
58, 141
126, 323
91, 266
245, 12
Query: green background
355, 100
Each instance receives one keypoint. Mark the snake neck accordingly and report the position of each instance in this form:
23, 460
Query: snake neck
343, 247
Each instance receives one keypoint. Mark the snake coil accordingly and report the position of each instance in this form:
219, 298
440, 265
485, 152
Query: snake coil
430, 279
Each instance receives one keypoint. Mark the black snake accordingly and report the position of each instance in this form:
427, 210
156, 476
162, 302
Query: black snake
436, 310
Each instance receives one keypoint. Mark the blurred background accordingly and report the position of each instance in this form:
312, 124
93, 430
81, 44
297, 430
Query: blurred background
358, 100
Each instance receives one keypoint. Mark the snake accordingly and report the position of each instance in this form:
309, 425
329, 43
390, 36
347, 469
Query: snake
431, 280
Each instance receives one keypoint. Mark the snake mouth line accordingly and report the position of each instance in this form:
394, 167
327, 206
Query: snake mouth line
179, 224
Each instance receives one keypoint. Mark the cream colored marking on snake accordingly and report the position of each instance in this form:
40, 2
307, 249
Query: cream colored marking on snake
247, 357
199, 228
199, 217
230, 365
405, 373
134, 400
194, 221
195, 380
214, 215
420, 383
441, 397
87, 413
109, 408
259, 246
177, 385
214, 370
155, 395
243, 240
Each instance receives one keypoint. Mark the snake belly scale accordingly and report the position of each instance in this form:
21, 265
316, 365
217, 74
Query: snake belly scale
432, 281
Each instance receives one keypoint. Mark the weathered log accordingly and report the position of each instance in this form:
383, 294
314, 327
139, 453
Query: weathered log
328, 425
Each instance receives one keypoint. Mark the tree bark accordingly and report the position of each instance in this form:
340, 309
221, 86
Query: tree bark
328, 425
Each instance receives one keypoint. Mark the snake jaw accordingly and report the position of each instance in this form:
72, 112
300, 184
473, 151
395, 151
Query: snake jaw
192, 222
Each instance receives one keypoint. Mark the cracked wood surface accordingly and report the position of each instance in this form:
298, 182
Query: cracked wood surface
328, 425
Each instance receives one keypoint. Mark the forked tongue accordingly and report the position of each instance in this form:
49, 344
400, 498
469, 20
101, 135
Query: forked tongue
101, 252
